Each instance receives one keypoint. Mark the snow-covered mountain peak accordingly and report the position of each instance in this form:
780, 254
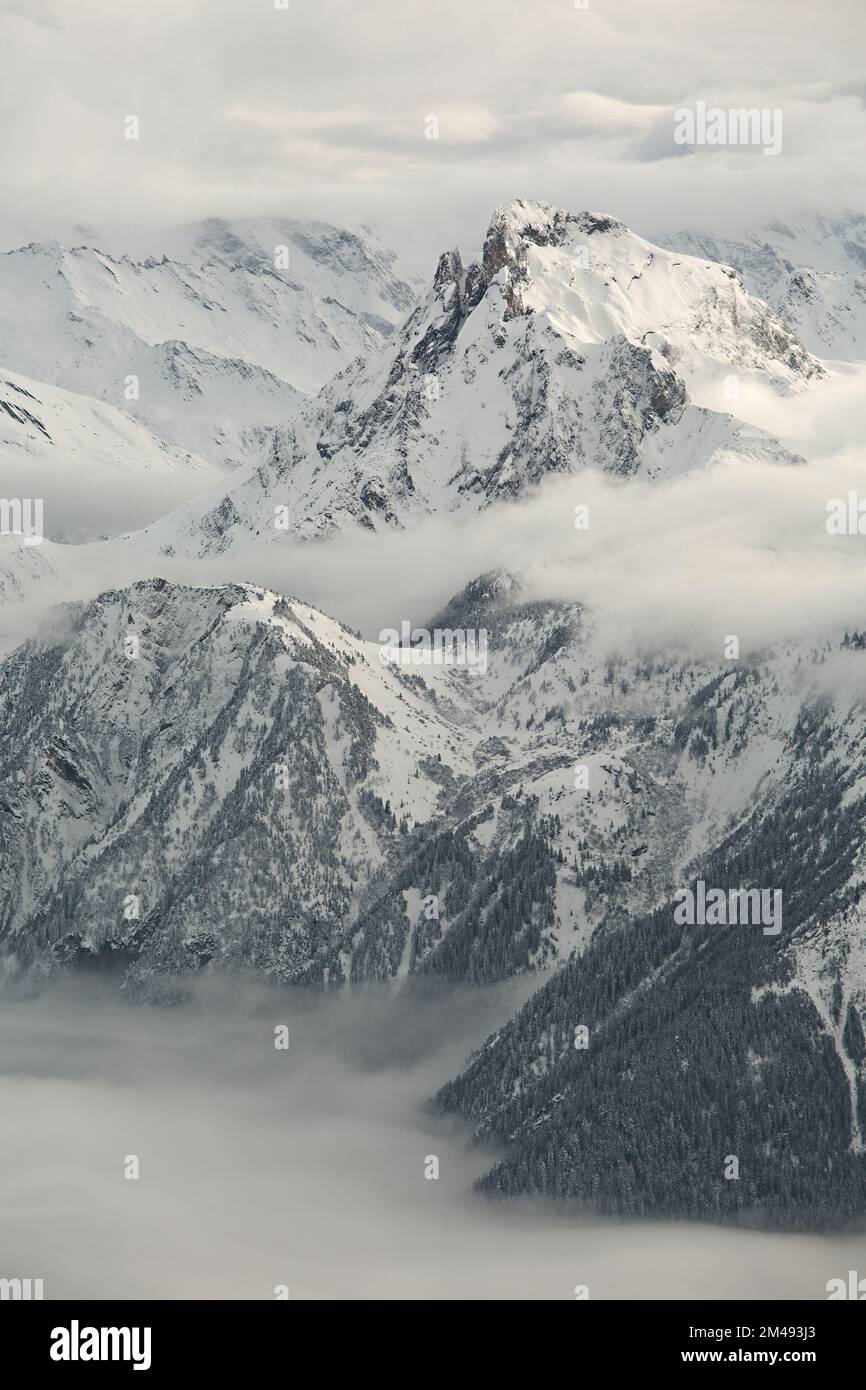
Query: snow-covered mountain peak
526, 221
570, 344
591, 278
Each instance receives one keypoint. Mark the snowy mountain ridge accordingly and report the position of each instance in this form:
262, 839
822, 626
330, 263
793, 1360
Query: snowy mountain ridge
222, 337
812, 272
570, 345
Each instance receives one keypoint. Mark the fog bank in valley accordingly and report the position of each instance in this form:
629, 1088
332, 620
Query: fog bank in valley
262, 1167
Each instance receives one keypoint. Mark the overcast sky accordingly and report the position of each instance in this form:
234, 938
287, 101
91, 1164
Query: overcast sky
319, 110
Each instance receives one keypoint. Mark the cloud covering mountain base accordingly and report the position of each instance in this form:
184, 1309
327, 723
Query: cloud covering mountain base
306, 1168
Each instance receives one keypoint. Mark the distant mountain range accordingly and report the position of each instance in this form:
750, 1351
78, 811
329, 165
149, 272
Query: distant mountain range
223, 332
812, 272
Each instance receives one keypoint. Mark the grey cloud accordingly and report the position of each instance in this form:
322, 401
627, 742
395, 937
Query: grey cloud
186, 68
659, 142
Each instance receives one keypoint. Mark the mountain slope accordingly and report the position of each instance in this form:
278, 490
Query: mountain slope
703, 1043
221, 755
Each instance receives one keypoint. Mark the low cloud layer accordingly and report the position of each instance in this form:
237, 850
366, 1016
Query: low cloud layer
87, 499
261, 1167
742, 549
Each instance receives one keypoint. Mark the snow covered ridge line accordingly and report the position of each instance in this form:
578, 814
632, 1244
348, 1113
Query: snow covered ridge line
736, 126
444, 646
720, 907
23, 516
